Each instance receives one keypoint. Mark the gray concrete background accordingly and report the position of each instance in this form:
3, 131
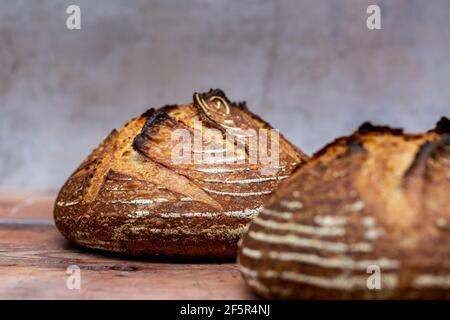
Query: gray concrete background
311, 68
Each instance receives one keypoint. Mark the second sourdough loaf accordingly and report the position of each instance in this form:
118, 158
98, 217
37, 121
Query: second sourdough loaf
130, 195
367, 217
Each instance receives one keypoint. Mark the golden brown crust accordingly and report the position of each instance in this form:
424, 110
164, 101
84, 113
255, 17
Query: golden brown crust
380, 198
129, 196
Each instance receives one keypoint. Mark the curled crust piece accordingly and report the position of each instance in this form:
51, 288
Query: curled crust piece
130, 196
367, 217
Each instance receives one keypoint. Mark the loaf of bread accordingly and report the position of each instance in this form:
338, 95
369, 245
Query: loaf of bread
368, 217
132, 196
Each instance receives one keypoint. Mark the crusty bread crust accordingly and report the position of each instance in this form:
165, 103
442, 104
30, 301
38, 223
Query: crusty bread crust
378, 198
128, 196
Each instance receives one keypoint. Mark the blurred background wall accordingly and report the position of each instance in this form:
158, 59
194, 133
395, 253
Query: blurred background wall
311, 68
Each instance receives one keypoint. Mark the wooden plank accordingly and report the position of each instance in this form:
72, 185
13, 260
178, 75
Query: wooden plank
34, 258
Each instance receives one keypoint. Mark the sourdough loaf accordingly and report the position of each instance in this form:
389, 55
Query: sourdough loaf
132, 196
367, 217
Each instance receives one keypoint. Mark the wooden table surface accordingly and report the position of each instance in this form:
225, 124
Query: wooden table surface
34, 258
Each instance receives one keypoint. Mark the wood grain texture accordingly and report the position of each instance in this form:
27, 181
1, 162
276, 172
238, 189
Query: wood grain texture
34, 258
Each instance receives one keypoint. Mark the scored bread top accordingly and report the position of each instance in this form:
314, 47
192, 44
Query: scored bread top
130, 196
379, 198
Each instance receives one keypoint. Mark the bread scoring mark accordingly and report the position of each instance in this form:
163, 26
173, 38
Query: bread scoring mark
296, 241
354, 207
300, 228
368, 222
216, 233
120, 178
252, 253
338, 263
278, 214
231, 127
330, 221
186, 199
230, 160
230, 124
246, 213
259, 287
248, 272
221, 170
340, 174
442, 224
373, 234
340, 282
437, 163
158, 117
238, 194
213, 95
210, 151
212, 104
282, 167
140, 201
67, 203
292, 205
240, 135
116, 189
138, 214
427, 157
246, 181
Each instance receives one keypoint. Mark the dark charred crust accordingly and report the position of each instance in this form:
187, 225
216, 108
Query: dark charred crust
241, 105
426, 151
368, 127
149, 113
442, 126
169, 107
160, 116
138, 144
334, 143
420, 159
152, 112
355, 145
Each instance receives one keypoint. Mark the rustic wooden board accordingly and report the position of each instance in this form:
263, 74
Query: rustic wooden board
34, 258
